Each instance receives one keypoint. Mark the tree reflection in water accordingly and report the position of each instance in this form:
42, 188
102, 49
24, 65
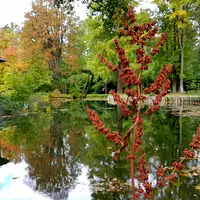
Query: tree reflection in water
57, 144
54, 165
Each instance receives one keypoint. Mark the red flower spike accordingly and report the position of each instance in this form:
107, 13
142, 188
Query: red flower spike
140, 190
109, 64
160, 171
188, 153
171, 178
177, 165
195, 144
131, 157
121, 103
161, 184
99, 125
132, 78
154, 87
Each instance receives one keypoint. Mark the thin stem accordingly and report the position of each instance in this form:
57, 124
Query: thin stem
134, 138
132, 179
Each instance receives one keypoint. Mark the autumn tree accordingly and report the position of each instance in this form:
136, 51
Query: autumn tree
10, 48
45, 31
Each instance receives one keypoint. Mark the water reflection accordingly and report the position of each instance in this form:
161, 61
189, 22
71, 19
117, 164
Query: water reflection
82, 190
13, 185
66, 158
52, 163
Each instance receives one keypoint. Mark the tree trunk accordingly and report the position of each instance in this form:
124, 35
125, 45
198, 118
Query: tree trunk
181, 46
89, 85
86, 84
181, 75
174, 85
106, 88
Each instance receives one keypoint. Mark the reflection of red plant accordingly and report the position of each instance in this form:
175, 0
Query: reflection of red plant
132, 79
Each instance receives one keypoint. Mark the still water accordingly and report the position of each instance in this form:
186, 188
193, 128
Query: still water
55, 154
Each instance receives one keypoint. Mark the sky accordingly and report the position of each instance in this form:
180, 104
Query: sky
14, 10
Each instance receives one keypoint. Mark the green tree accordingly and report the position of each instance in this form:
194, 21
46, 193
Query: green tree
95, 38
104, 8
178, 19
35, 79
98, 39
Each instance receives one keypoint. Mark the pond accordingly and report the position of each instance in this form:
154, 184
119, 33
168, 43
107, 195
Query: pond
55, 153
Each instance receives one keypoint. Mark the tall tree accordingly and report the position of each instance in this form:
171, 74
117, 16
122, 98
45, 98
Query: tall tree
104, 8
177, 18
45, 31
98, 39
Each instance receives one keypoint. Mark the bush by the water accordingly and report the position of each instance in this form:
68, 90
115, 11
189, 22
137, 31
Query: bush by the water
9, 107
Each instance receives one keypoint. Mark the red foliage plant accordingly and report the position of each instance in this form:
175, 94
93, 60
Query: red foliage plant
132, 80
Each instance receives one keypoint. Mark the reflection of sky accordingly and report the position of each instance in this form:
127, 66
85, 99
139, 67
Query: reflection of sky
13, 178
15, 189
81, 191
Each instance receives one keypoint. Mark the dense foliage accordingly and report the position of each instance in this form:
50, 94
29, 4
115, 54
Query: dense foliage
131, 107
54, 50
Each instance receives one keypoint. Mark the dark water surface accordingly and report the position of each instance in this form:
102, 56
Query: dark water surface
55, 153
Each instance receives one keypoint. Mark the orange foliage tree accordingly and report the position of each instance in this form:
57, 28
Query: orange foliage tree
10, 49
47, 31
